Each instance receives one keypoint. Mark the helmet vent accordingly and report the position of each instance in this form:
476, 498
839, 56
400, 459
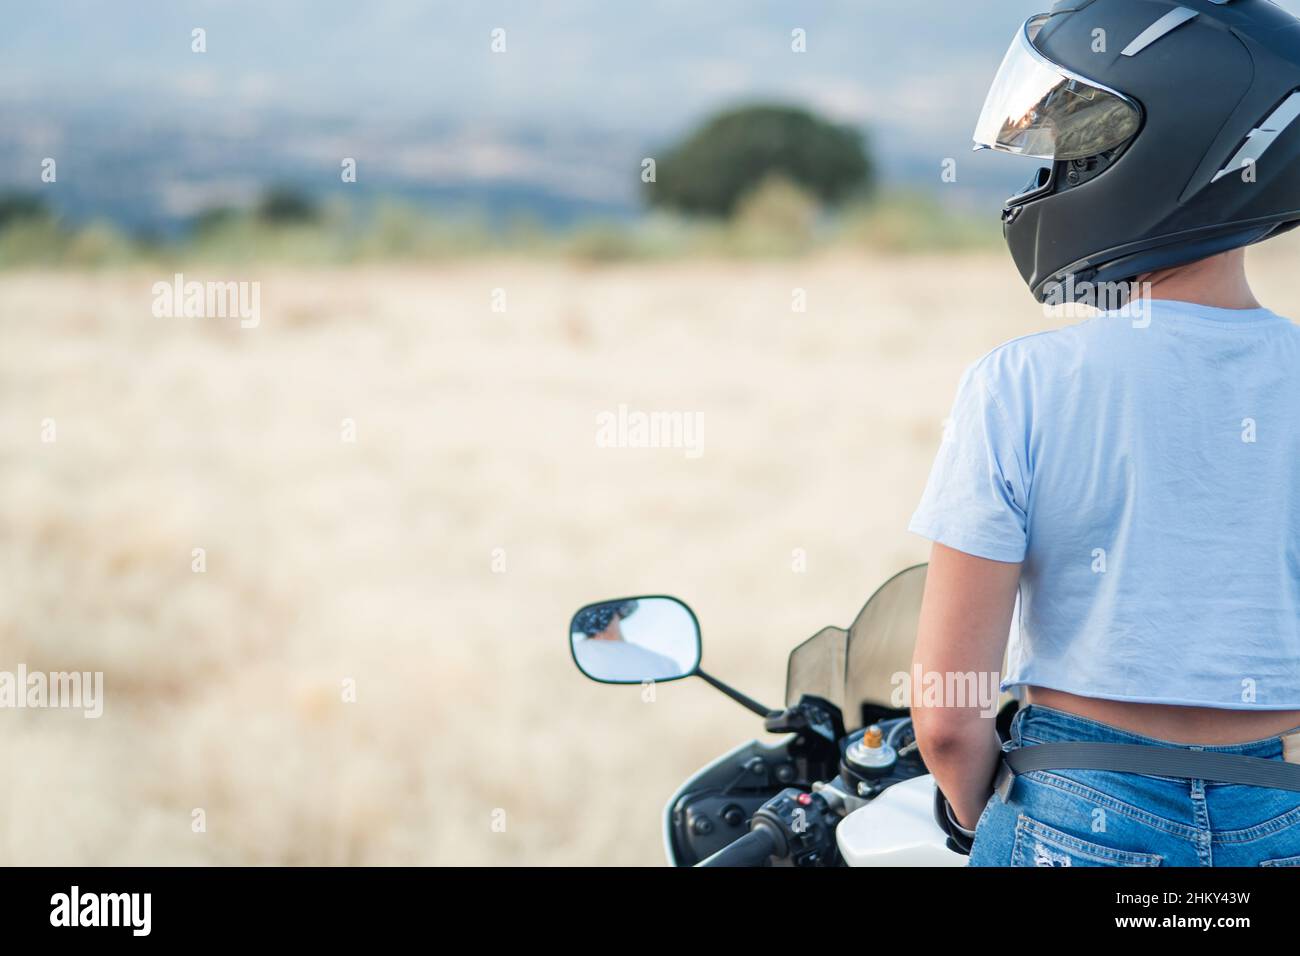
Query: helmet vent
1261, 137
1170, 21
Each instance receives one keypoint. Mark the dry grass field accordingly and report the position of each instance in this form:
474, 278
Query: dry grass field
435, 560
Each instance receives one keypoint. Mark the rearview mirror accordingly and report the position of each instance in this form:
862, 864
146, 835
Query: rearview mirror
631, 640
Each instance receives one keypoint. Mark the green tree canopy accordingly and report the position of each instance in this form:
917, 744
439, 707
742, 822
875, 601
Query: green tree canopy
17, 206
283, 206
734, 152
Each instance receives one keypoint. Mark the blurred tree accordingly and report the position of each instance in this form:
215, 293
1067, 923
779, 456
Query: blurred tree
731, 154
284, 206
16, 207
214, 218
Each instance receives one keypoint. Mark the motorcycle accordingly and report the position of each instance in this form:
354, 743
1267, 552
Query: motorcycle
845, 785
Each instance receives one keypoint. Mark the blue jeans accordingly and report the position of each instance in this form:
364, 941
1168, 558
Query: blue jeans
1103, 818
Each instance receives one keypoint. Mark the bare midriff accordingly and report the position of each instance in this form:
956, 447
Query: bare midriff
1184, 725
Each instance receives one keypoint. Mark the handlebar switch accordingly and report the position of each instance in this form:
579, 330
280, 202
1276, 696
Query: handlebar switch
803, 825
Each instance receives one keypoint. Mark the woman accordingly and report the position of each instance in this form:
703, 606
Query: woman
1134, 479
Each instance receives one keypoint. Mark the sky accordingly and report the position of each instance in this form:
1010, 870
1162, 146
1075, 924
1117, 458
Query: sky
652, 64
912, 76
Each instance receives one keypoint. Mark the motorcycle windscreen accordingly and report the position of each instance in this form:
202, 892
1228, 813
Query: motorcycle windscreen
881, 642
816, 667
878, 663
1036, 108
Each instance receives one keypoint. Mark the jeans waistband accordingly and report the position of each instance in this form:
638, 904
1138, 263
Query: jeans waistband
1045, 724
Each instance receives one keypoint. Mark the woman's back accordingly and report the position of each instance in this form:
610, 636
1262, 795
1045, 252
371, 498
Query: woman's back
1146, 470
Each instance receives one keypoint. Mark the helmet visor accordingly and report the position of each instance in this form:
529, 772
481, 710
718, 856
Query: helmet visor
1036, 108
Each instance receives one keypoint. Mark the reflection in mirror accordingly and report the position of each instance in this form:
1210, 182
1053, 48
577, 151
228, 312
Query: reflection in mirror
636, 639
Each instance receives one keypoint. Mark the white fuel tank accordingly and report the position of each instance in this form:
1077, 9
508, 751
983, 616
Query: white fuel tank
897, 829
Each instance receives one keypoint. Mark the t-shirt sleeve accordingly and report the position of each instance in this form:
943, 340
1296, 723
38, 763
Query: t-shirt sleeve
975, 500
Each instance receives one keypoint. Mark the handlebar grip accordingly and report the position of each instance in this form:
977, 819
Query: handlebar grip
753, 849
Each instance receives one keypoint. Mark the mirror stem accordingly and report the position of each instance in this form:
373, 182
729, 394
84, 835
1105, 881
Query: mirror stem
746, 702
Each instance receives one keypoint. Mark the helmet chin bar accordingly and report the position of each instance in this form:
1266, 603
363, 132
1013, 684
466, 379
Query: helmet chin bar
1040, 184
1062, 174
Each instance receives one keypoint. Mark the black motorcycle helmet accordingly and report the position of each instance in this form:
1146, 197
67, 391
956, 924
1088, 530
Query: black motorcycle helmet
1169, 128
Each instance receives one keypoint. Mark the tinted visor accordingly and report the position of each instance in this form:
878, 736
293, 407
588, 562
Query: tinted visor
1036, 108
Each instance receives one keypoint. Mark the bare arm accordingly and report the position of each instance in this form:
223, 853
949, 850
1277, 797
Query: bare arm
965, 617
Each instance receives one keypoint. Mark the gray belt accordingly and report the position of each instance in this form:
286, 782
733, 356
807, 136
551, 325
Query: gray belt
1145, 759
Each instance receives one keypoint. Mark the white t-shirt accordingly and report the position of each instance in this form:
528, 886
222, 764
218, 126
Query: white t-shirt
621, 661
1146, 470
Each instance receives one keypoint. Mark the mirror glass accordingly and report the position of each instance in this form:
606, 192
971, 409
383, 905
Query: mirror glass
631, 640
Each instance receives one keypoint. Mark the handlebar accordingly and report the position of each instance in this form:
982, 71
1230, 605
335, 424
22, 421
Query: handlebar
753, 849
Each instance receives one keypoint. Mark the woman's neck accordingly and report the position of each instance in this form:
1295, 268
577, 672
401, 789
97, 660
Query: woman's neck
1219, 282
